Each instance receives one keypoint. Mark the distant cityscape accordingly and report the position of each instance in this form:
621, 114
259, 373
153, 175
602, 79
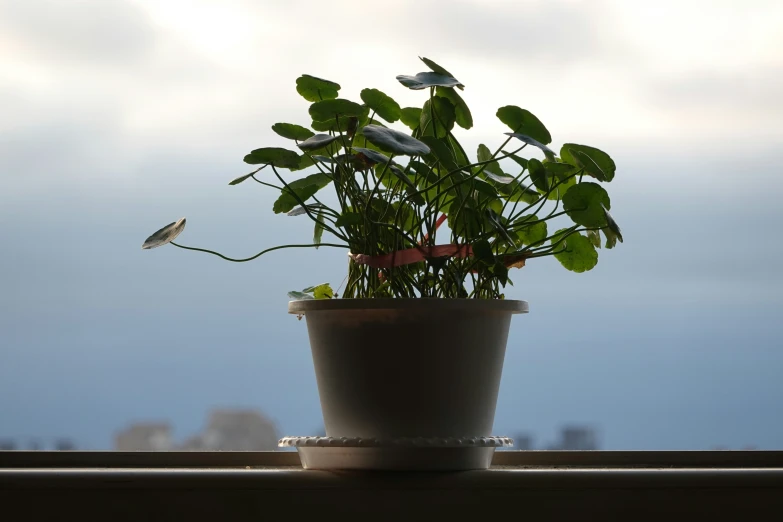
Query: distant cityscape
230, 429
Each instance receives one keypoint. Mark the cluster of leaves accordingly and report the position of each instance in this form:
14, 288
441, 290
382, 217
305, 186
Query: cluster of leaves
395, 189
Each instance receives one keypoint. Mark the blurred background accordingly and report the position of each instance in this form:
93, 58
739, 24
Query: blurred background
120, 116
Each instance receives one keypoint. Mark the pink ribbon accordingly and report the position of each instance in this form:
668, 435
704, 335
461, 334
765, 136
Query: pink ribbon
412, 255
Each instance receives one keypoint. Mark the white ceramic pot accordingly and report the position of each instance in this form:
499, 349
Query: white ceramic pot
398, 368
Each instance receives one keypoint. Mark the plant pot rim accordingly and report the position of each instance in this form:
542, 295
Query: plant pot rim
474, 305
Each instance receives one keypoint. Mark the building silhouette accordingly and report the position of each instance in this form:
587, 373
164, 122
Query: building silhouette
226, 430
144, 436
582, 438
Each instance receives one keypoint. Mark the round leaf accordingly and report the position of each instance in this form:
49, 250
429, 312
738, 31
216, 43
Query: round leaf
316, 89
348, 218
596, 163
373, 156
332, 125
322, 291
539, 175
595, 238
530, 230
440, 152
291, 131
461, 111
492, 169
516, 191
299, 296
318, 141
427, 79
394, 141
576, 252
410, 116
327, 110
240, 179
562, 177
438, 69
300, 191
525, 123
443, 110
549, 153
304, 162
165, 235
585, 204
282, 158
382, 104
612, 224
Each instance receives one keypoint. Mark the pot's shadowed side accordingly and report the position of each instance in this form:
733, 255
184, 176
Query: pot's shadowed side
408, 367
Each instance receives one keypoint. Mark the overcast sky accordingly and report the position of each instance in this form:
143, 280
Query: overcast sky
120, 116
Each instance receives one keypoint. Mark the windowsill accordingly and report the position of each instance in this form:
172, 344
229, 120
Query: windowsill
720, 484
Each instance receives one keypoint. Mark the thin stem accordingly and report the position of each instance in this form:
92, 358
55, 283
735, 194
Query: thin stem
260, 253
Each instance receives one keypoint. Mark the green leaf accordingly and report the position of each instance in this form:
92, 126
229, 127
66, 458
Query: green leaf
611, 237
303, 188
438, 69
484, 188
287, 201
585, 204
539, 175
549, 153
318, 141
595, 238
483, 252
562, 176
596, 162
467, 223
282, 158
322, 291
612, 224
410, 116
503, 180
500, 271
299, 296
318, 232
516, 191
383, 105
394, 141
462, 113
374, 157
531, 231
524, 122
439, 152
483, 154
316, 89
291, 131
579, 254
297, 211
304, 162
410, 186
327, 110
427, 79
522, 162
459, 152
165, 235
240, 179
444, 117
332, 125
348, 218
496, 222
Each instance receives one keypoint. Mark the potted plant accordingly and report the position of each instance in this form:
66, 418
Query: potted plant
414, 345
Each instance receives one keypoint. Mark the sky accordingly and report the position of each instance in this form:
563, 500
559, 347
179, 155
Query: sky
120, 116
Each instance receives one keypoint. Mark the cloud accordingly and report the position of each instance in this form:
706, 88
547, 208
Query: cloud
746, 99
89, 32
555, 34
